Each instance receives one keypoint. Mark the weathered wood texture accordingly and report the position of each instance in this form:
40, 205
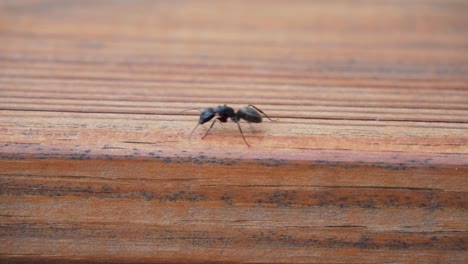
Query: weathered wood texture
367, 161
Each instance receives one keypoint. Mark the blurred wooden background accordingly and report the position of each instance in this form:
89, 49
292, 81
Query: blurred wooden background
367, 162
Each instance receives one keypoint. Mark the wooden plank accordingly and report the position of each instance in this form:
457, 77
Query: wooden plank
366, 161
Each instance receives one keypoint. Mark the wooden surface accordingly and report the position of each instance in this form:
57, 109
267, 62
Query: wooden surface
367, 161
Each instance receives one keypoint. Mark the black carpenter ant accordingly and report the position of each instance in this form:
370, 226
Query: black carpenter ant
248, 113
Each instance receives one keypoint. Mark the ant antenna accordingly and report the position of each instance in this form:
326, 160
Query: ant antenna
188, 110
251, 105
194, 130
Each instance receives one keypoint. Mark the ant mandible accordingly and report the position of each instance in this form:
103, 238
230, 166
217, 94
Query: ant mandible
248, 113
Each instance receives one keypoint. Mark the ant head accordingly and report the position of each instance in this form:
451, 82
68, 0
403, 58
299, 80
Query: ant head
206, 115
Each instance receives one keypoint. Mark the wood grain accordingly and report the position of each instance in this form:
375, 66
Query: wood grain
366, 161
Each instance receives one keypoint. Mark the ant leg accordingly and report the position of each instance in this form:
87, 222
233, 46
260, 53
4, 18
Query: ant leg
242, 134
251, 105
212, 124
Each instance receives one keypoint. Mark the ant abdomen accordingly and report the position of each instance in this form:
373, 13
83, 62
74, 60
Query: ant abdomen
249, 114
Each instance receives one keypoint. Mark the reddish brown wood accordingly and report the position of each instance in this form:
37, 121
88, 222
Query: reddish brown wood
367, 161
